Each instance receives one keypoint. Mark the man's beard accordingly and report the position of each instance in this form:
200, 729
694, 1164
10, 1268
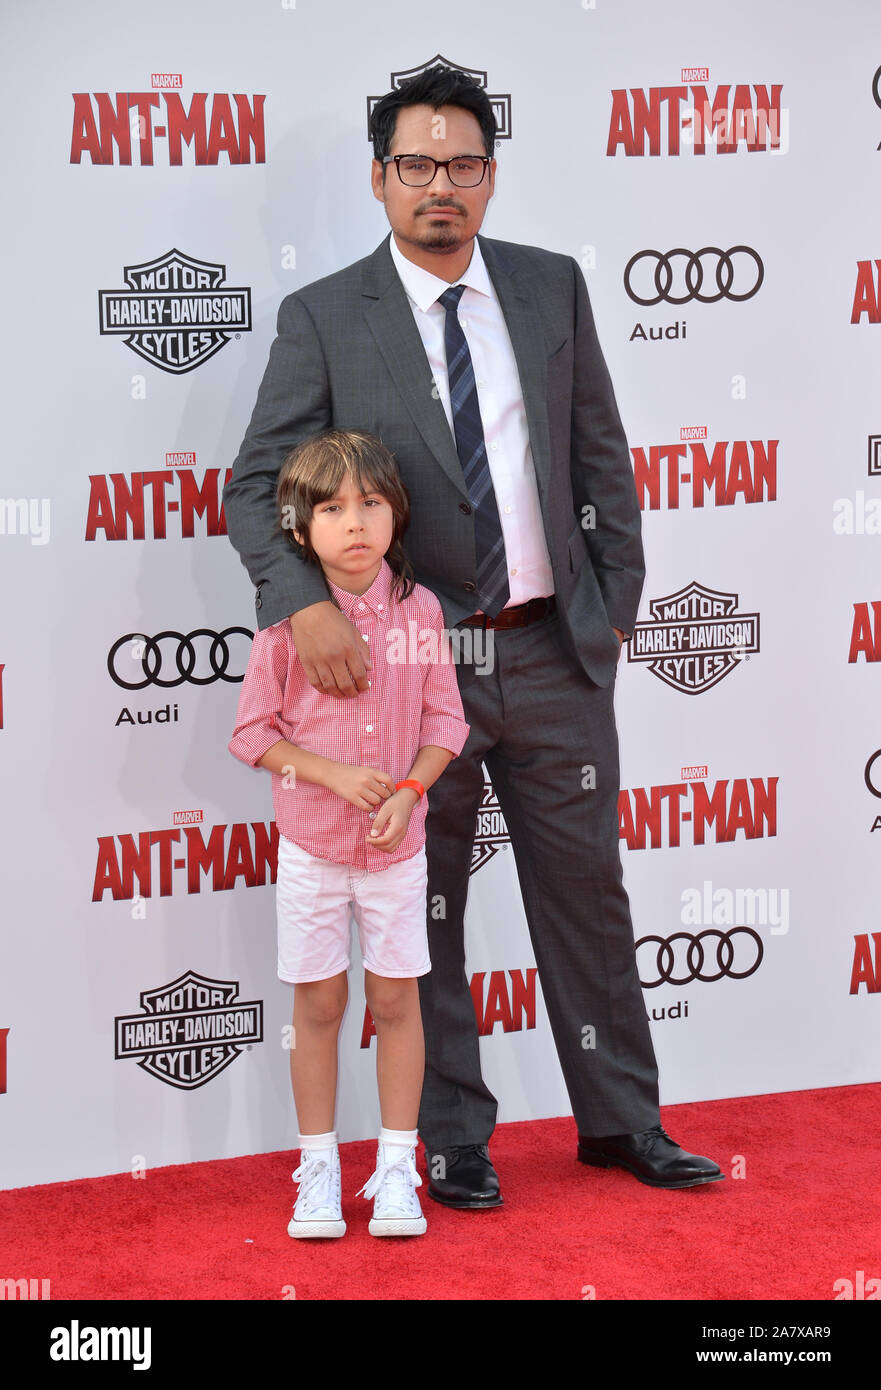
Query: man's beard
443, 237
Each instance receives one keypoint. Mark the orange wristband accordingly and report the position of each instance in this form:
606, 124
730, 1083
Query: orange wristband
413, 785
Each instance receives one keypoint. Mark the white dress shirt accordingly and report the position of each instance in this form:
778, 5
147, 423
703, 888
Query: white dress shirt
502, 412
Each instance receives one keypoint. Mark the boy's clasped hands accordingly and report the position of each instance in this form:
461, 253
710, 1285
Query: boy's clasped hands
368, 787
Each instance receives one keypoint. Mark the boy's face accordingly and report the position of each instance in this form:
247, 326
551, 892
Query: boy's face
350, 534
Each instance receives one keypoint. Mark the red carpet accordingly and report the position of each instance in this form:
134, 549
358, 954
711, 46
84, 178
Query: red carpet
805, 1214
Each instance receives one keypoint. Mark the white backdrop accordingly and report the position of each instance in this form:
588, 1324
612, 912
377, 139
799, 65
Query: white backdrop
98, 801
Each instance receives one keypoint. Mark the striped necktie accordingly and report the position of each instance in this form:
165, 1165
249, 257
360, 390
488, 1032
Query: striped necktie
492, 565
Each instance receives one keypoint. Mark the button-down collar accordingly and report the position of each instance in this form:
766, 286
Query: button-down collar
376, 600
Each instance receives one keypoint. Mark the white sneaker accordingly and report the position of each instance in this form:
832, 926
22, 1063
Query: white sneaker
396, 1209
318, 1210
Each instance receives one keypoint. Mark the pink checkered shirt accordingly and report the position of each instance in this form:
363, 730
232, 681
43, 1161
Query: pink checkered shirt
412, 701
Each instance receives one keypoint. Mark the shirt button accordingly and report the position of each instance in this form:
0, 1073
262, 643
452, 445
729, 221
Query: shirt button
507, 510
493, 447
364, 635
368, 729
360, 605
379, 606
513, 572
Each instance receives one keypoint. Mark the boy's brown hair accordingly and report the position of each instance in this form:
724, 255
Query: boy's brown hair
312, 474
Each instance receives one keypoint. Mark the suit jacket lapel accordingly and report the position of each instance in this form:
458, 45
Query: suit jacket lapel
527, 335
391, 322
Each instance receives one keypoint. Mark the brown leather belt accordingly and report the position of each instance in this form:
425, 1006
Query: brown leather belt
518, 615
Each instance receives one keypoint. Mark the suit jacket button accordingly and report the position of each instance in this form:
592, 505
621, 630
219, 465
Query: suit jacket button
469, 587
465, 508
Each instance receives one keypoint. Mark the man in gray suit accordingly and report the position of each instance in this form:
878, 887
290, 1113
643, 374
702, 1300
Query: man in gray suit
495, 399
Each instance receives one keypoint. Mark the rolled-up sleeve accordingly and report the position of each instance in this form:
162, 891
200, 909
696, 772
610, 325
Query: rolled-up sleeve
443, 719
260, 703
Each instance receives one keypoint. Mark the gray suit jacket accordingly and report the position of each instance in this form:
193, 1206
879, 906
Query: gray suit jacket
348, 356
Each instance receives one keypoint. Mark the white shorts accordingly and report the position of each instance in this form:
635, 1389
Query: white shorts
314, 898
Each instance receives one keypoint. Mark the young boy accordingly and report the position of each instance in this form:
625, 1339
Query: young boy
348, 781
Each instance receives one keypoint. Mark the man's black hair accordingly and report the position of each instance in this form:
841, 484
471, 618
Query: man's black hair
435, 87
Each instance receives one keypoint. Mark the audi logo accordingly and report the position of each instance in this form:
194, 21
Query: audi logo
691, 275
215, 657
870, 766
696, 956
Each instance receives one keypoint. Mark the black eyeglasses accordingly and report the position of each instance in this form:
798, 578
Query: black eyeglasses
418, 170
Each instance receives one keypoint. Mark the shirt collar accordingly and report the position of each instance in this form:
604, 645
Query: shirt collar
377, 598
423, 288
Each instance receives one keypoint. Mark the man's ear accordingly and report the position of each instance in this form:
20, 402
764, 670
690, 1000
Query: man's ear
377, 179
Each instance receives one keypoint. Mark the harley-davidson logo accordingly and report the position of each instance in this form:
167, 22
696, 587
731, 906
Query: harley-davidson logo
492, 832
501, 103
694, 638
190, 1029
176, 312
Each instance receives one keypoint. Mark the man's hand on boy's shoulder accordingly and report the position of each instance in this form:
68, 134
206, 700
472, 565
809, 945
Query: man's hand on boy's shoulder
333, 653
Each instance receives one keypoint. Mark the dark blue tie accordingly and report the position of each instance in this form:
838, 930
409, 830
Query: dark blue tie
492, 565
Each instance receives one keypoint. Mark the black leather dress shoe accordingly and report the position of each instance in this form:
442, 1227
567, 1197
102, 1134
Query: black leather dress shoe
652, 1156
463, 1177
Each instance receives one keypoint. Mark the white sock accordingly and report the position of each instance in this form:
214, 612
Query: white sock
399, 1139
318, 1141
